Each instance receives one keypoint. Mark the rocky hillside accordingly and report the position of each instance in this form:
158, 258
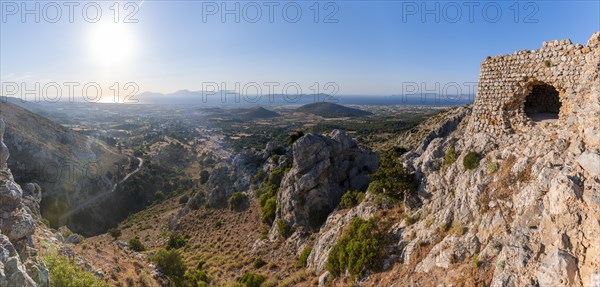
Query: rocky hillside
513, 209
448, 206
519, 208
19, 218
70, 168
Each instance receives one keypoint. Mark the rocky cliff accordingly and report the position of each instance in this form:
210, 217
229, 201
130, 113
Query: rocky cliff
519, 208
19, 211
323, 169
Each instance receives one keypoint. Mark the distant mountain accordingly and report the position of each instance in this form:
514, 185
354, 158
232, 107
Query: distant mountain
325, 109
255, 113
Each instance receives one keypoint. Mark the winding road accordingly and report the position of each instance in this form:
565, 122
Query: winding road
129, 174
94, 198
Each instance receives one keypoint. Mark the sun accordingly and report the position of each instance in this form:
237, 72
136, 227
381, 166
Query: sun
111, 44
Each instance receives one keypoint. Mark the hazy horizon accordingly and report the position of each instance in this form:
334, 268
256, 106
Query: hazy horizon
341, 48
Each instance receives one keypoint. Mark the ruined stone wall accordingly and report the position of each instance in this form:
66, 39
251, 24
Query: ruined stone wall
506, 80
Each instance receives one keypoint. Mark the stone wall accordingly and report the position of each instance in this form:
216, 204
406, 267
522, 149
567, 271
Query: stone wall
506, 80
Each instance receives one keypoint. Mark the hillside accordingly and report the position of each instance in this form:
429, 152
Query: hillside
255, 113
504, 192
70, 168
325, 109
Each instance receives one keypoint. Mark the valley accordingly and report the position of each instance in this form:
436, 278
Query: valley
346, 143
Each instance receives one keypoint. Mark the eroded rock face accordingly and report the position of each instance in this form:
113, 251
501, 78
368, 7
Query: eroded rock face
17, 225
557, 268
332, 230
233, 177
324, 168
3, 148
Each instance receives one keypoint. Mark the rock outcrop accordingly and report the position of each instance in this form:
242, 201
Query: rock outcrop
19, 265
332, 230
232, 177
323, 169
528, 213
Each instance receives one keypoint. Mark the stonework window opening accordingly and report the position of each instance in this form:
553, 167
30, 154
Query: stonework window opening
542, 103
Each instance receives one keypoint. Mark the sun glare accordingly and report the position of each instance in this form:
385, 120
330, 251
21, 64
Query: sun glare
111, 44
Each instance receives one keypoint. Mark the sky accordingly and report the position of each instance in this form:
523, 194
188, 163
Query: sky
346, 47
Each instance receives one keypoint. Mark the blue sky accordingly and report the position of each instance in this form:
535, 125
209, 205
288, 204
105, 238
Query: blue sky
373, 49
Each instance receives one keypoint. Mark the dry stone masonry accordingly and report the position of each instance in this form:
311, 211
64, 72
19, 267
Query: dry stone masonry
560, 78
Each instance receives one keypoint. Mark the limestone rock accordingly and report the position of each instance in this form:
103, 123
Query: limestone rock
10, 192
558, 268
324, 278
13, 272
324, 168
17, 224
590, 162
234, 177
332, 230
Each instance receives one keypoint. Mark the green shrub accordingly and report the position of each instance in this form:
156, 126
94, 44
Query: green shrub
359, 249
184, 199
267, 194
391, 179
268, 211
200, 264
170, 263
294, 137
175, 241
136, 245
351, 199
66, 273
258, 263
284, 228
275, 158
303, 259
217, 224
475, 261
138, 153
492, 167
204, 175
197, 279
409, 220
471, 160
264, 233
115, 232
450, 156
238, 201
45, 222
159, 196
252, 280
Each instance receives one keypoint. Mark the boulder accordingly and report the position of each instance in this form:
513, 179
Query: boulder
12, 271
558, 268
590, 162
19, 225
73, 238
